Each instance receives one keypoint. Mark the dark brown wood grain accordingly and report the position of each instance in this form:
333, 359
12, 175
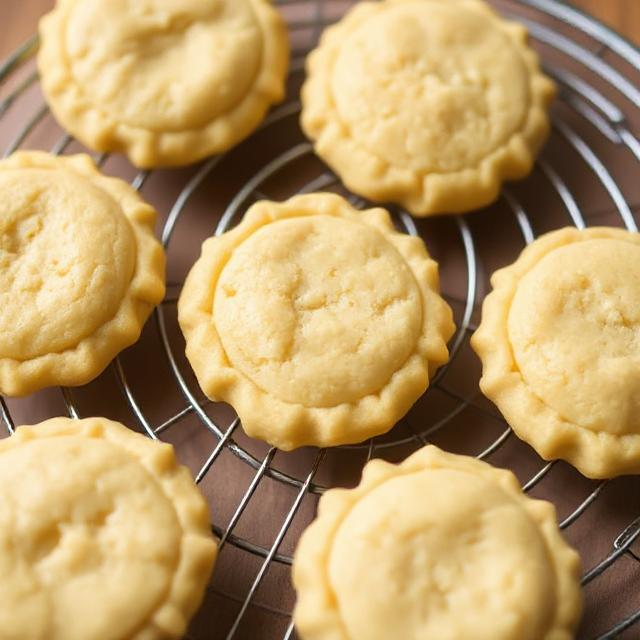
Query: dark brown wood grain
623, 15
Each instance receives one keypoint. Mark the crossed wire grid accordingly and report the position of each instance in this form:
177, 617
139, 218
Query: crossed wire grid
577, 93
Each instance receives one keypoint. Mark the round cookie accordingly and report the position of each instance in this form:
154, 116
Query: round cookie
102, 535
320, 324
428, 103
464, 554
560, 346
167, 83
80, 270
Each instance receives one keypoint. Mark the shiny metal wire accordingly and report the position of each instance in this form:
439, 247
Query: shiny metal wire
577, 93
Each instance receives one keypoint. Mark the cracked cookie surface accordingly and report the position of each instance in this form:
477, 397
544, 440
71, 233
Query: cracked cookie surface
102, 534
560, 345
464, 554
80, 270
318, 323
166, 83
429, 103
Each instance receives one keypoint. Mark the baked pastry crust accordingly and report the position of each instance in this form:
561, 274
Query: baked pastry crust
464, 554
320, 324
103, 534
165, 83
80, 270
428, 103
559, 345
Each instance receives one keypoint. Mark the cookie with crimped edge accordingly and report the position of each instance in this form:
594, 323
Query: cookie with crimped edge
320, 324
440, 546
559, 344
166, 83
428, 103
80, 270
102, 535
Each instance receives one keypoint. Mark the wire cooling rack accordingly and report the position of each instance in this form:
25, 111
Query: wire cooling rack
261, 498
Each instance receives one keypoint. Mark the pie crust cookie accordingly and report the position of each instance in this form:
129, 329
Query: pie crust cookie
167, 83
560, 347
80, 270
320, 324
102, 535
464, 554
428, 103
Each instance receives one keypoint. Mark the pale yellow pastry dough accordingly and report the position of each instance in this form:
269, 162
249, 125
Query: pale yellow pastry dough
560, 346
102, 535
441, 546
167, 82
320, 324
429, 103
80, 270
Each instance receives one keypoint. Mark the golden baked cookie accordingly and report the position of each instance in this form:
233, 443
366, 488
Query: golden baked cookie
102, 535
441, 546
167, 83
320, 324
80, 270
428, 103
560, 346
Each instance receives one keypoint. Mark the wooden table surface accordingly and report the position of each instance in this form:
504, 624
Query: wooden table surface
18, 19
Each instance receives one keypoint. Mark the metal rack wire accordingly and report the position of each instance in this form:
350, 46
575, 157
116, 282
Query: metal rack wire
599, 95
